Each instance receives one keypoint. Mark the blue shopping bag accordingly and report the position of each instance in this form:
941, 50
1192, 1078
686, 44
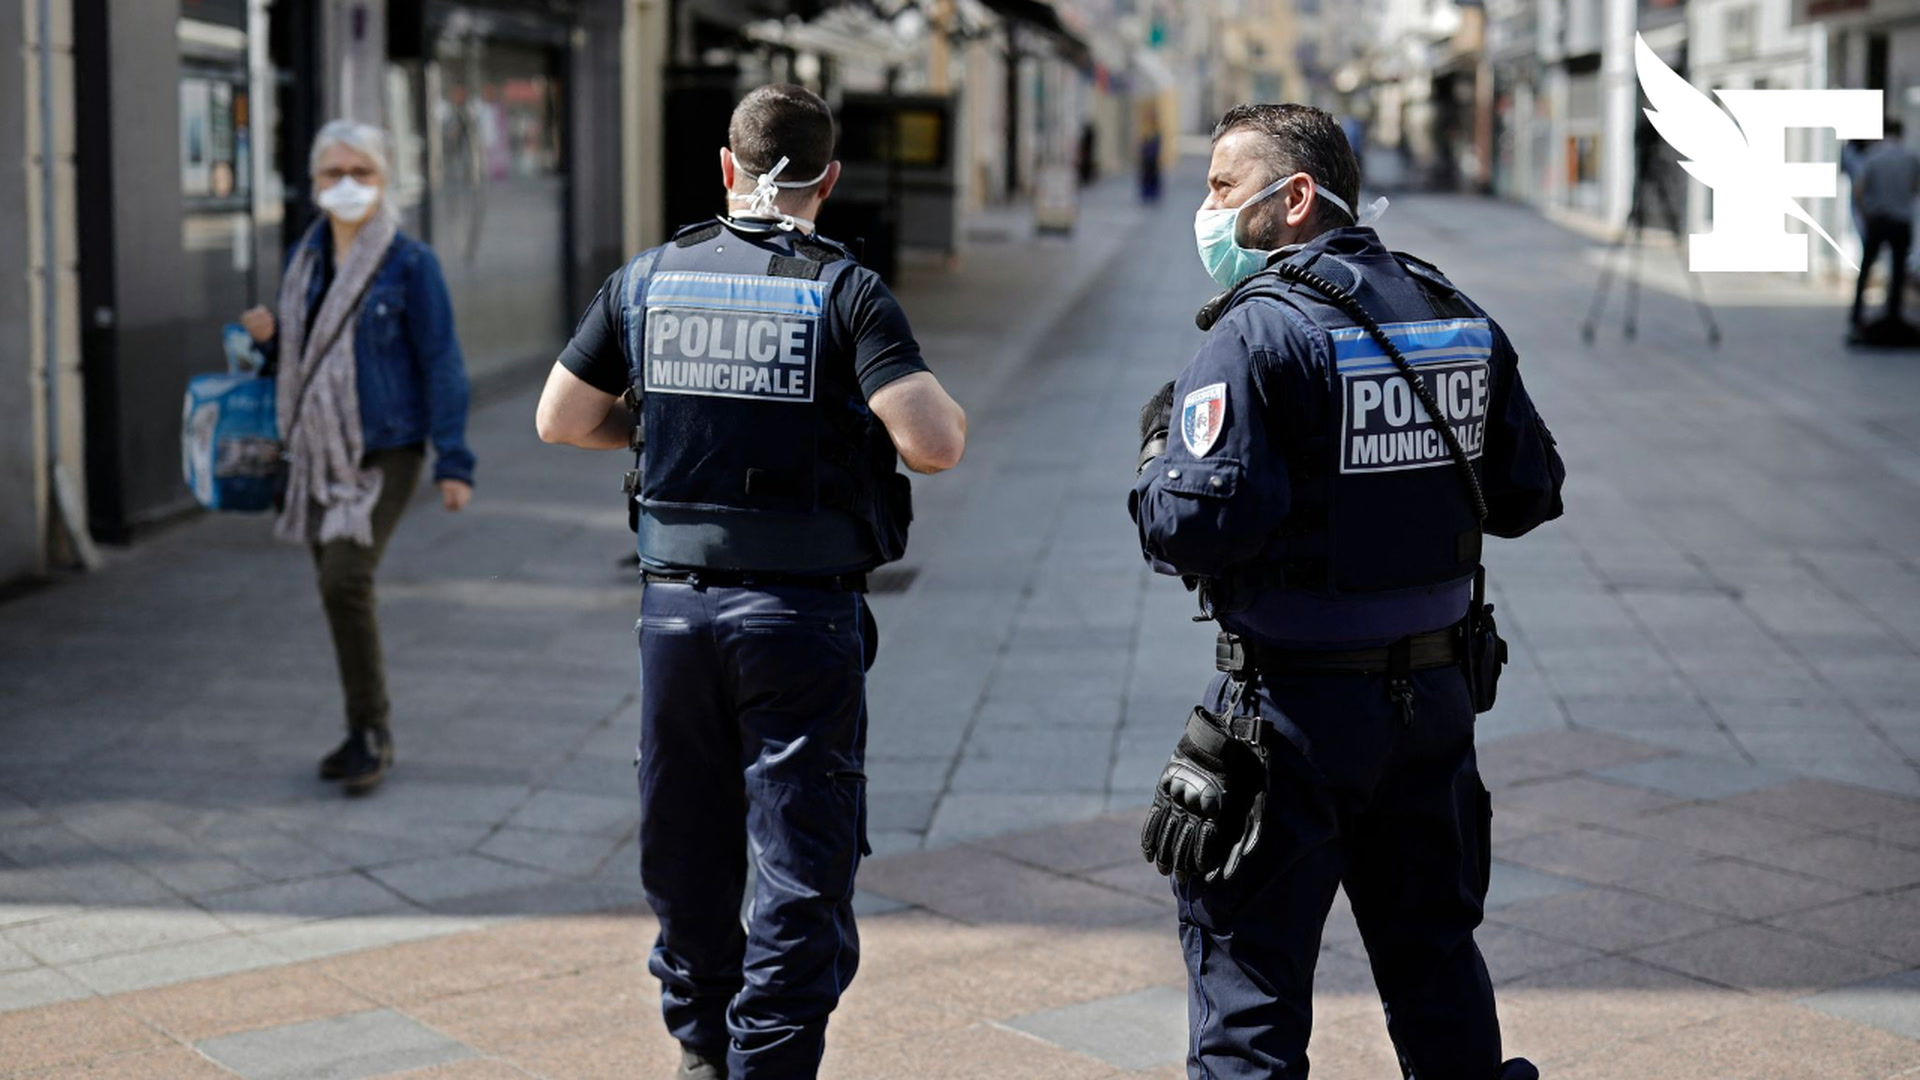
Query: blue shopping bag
229, 440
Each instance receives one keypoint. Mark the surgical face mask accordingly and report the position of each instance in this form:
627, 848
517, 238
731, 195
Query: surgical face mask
1215, 234
760, 200
349, 200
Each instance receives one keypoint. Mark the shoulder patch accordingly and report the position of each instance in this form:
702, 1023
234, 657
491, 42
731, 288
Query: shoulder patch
1202, 415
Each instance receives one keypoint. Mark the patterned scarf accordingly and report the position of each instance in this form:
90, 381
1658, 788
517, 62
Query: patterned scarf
329, 496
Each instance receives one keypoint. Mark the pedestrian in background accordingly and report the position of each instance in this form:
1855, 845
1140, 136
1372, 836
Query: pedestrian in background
1324, 471
1888, 178
369, 374
776, 386
1150, 164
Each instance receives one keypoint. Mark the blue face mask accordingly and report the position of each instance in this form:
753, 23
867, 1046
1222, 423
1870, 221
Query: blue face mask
1214, 231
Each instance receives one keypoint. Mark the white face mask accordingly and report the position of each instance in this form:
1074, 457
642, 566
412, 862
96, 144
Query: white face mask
760, 200
1216, 233
349, 200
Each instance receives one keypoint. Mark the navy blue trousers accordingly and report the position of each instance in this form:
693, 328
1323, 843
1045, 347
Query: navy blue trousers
753, 727
1396, 814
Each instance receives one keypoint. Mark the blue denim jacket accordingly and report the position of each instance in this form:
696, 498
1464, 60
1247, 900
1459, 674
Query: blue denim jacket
412, 378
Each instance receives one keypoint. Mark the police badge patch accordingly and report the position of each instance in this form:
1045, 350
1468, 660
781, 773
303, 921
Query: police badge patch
1202, 416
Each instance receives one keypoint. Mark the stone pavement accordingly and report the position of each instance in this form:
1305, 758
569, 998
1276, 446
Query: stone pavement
1636, 929
1704, 755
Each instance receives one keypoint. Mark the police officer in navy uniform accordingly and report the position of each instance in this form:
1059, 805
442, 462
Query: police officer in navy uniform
770, 384
1322, 473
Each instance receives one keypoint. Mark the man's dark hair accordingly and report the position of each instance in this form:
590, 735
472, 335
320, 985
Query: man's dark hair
1301, 138
1894, 127
782, 121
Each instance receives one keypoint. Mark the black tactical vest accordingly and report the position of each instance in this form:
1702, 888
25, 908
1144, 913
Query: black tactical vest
1381, 525
759, 450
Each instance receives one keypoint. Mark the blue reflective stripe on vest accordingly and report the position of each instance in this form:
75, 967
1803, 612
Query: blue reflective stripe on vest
1427, 342
736, 292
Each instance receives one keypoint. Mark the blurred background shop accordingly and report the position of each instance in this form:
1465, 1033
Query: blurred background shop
538, 142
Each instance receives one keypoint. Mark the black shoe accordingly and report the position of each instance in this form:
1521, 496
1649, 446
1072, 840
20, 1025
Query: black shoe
1519, 1069
361, 762
697, 1066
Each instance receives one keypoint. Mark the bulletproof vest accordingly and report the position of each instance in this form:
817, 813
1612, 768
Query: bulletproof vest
759, 452
1379, 504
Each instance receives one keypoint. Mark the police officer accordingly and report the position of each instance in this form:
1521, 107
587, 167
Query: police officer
1322, 473
770, 384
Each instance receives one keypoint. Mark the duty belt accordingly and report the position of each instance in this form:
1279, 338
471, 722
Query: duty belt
1235, 655
756, 579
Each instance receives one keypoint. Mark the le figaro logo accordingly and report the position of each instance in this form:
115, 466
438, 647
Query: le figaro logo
1741, 153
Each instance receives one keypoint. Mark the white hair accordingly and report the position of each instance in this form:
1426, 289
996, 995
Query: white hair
364, 139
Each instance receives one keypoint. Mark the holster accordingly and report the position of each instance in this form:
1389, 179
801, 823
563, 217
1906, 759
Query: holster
1483, 652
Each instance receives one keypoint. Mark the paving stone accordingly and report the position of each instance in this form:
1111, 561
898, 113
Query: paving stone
1037, 899
173, 963
868, 904
208, 1008
435, 880
1607, 920
1513, 884
1111, 840
1596, 855
46, 1038
1827, 804
33, 987
570, 854
1741, 889
1511, 953
1691, 777
909, 811
1712, 827
970, 816
1132, 1031
1890, 1003
267, 907
562, 811
340, 1048
1765, 959
1582, 799
1886, 924
1906, 834
332, 937
1845, 860
13, 958
105, 931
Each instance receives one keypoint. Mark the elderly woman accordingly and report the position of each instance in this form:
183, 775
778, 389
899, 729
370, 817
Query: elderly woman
369, 374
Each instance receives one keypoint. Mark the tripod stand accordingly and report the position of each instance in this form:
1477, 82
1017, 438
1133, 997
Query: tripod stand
1644, 181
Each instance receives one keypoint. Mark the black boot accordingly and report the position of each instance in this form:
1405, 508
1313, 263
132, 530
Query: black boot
695, 1065
1519, 1069
360, 763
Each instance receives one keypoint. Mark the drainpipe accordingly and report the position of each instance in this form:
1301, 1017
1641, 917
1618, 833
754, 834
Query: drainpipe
66, 500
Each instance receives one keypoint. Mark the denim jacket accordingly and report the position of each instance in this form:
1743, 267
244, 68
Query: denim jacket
412, 378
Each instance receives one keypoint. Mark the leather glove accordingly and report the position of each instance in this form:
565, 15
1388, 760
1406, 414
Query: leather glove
1208, 804
1156, 420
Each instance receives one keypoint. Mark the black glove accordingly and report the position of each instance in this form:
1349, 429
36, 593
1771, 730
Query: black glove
1208, 805
1156, 420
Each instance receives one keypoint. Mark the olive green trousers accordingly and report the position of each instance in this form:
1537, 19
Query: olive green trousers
346, 589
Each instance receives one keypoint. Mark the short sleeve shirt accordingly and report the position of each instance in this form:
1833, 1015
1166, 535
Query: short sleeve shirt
861, 311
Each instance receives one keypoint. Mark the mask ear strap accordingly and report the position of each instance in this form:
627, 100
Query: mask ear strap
760, 201
1373, 212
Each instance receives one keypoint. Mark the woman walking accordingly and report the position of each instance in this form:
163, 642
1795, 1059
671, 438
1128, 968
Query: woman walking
369, 374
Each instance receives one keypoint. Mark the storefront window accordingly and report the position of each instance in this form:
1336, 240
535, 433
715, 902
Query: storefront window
497, 196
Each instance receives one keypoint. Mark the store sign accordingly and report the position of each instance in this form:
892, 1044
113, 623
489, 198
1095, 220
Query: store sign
1741, 153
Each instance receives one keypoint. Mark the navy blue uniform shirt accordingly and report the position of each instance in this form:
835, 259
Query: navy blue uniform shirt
1231, 505
861, 310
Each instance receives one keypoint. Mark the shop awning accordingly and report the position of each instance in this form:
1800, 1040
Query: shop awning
1042, 17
